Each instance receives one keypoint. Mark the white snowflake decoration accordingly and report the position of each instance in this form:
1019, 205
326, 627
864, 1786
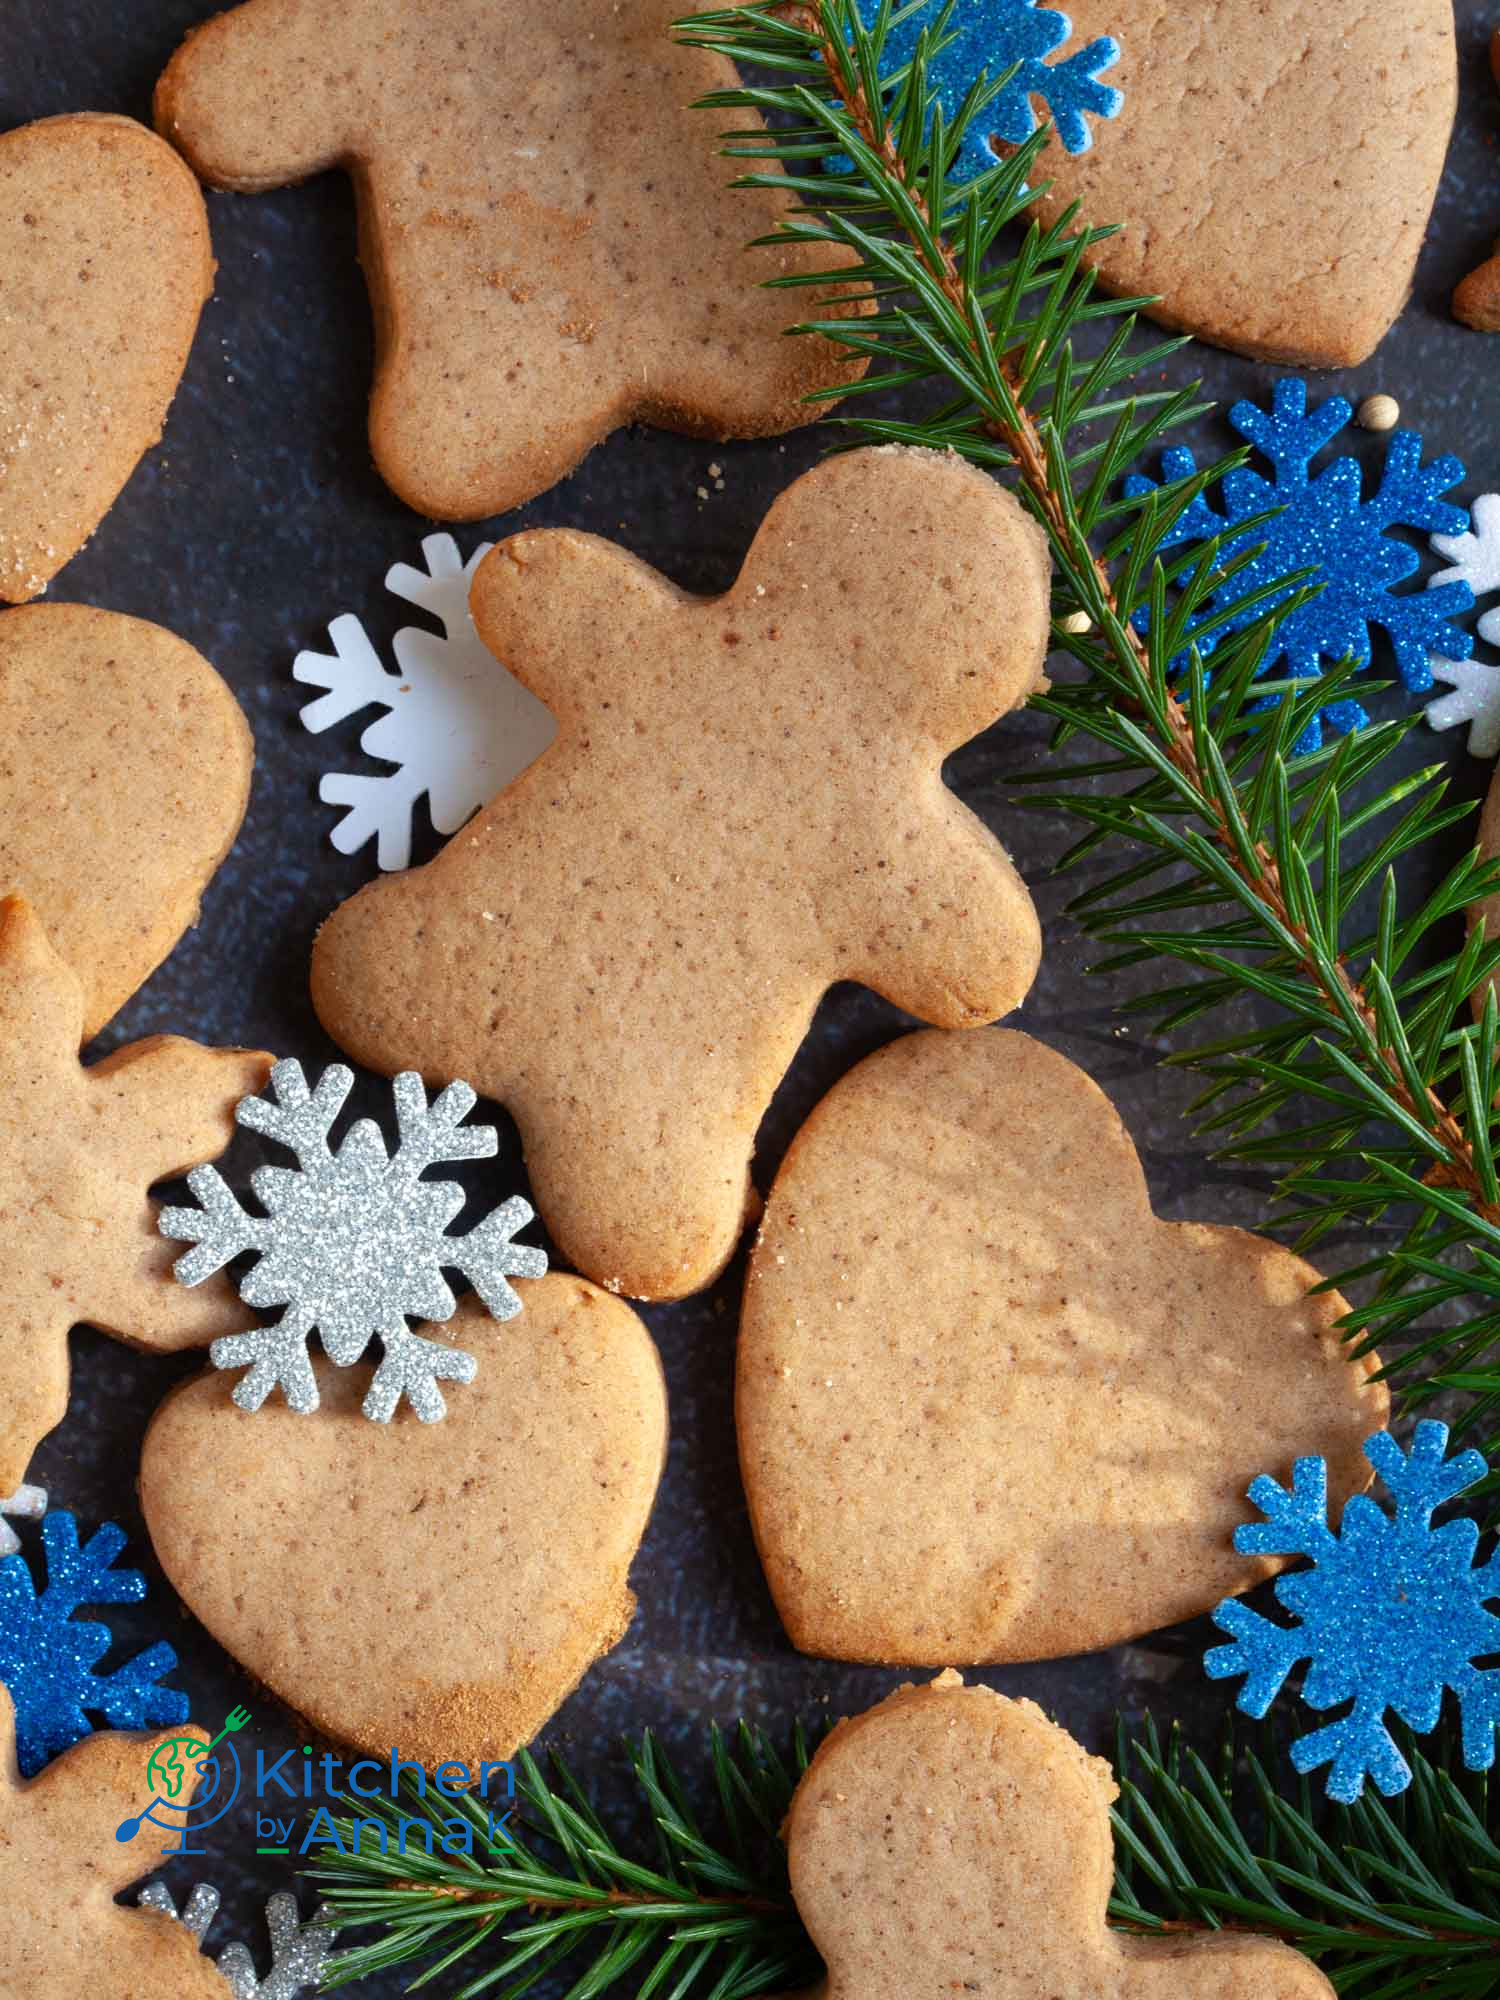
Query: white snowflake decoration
353, 1242
1475, 559
456, 725
298, 1950
27, 1503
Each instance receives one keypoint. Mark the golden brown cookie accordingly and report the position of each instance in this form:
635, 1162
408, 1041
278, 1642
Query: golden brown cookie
482, 1561
64, 1936
124, 774
104, 266
744, 804
1273, 167
1477, 300
989, 1407
949, 1841
1487, 909
78, 1150
552, 245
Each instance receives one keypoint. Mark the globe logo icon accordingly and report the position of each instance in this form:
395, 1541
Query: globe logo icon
173, 1766
192, 1784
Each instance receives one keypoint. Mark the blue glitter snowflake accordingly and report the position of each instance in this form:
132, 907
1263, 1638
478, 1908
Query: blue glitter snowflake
47, 1656
991, 35
1325, 525
1391, 1613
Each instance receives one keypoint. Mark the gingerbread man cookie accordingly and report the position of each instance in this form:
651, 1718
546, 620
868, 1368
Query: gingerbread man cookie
104, 267
744, 804
61, 1867
124, 774
78, 1150
552, 246
1273, 168
950, 1841
989, 1407
519, 1515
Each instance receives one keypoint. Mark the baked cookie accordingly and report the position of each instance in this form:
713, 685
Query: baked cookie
989, 1407
106, 263
552, 245
1273, 167
1487, 909
744, 804
951, 1841
124, 775
1477, 299
61, 1867
78, 1150
518, 1516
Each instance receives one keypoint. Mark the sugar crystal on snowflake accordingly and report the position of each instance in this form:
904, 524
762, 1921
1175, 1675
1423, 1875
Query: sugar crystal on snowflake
353, 1242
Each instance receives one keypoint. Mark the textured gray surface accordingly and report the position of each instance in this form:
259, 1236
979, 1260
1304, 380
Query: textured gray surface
257, 520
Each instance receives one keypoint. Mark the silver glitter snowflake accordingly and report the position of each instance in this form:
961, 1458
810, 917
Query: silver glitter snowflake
298, 1950
353, 1242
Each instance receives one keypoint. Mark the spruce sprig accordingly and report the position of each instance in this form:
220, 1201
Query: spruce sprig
1393, 1900
709, 1918
1259, 874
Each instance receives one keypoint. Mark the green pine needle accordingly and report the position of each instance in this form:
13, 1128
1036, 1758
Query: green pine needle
1392, 1900
1247, 872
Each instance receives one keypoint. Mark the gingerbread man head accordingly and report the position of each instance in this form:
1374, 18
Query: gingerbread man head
552, 246
951, 1841
743, 804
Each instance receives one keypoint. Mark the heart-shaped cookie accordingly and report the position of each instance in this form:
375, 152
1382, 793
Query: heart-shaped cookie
124, 773
1273, 167
989, 1407
950, 1841
104, 266
437, 1587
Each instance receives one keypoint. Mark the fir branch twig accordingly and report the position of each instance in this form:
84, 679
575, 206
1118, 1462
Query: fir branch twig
1393, 1900
1249, 875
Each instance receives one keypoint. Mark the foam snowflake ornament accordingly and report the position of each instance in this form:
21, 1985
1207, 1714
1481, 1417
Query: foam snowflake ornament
1327, 524
990, 37
1390, 1615
48, 1655
298, 1950
353, 1242
1475, 560
456, 726
27, 1503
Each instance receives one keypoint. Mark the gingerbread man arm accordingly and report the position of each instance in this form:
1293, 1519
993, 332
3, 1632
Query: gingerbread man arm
252, 98
949, 931
539, 601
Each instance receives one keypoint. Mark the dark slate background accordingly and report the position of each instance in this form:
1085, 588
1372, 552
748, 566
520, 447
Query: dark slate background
257, 520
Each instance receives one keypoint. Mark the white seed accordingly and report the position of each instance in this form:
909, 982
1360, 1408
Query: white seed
1076, 622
